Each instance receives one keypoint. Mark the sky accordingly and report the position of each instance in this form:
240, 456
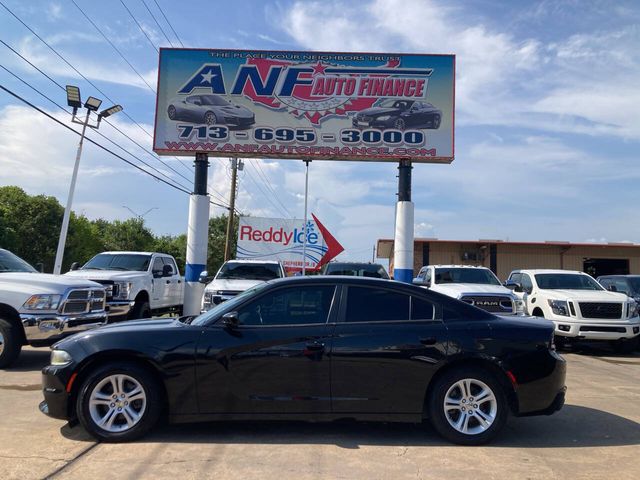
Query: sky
547, 114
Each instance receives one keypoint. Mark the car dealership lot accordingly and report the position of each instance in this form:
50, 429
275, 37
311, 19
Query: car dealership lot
596, 435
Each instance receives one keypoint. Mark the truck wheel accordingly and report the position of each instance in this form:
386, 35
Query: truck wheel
10, 344
468, 406
119, 402
141, 309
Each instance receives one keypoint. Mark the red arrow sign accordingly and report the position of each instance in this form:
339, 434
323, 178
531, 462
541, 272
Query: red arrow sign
334, 247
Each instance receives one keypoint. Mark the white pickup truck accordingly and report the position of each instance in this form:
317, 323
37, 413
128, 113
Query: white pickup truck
579, 306
477, 286
39, 309
139, 284
235, 276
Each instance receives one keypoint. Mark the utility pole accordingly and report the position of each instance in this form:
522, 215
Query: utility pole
304, 229
403, 241
235, 164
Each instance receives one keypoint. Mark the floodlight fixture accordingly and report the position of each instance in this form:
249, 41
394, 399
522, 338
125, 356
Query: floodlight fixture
73, 96
107, 112
92, 104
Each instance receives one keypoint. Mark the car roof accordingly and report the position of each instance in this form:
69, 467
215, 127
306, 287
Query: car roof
619, 276
246, 260
458, 266
547, 270
131, 253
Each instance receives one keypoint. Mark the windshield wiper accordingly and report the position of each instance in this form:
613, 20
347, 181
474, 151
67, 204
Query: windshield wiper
118, 268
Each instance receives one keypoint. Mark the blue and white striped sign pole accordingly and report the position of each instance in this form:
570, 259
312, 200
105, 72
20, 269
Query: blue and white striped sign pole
403, 240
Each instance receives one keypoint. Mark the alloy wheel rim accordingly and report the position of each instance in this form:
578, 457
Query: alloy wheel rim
470, 406
172, 113
210, 119
1, 343
117, 403
399, 124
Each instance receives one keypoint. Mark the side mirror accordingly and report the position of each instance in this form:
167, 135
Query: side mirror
167, 271
515, 286
74, 266
204, 277
612, 288
421, 281
230, 320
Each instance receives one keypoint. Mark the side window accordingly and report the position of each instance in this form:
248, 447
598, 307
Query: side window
427, 276
376, 305
516, 278
169, 261
157, 266
421, 309
527, 285
289, 306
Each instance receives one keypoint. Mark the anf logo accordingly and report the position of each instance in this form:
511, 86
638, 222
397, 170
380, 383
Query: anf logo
209, 76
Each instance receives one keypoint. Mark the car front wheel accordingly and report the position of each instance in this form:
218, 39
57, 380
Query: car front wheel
468, 406
399, 124
119, 402
171, 112
210, 118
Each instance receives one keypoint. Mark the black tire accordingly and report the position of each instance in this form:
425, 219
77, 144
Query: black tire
560, 342
399, 124
441, 420
10, 344
141, 309
436, 122
150, 413
210, 118
171, 112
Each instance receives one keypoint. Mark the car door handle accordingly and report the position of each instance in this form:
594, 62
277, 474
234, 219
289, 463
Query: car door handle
428, 340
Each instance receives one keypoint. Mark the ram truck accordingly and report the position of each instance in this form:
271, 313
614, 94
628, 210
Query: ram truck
138, 284
39, 309
579, 307
477, 286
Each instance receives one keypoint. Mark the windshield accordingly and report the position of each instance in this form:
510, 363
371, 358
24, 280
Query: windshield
118, 261
12, 263
249, 271
357, 270
227, 306
466, 275
213, 100
401, 104
566, 281
635, 284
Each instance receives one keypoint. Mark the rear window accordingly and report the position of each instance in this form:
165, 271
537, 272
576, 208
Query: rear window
371, 270
249, 271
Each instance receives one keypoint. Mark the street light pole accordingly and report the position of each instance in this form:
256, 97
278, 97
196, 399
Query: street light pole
304, 229
92, 104
57, 267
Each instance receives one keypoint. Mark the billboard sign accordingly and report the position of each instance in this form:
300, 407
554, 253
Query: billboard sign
305, 105
282, 239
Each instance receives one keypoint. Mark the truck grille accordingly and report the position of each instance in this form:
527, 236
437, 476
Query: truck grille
111, 289
83, 301
600, 309
493, 303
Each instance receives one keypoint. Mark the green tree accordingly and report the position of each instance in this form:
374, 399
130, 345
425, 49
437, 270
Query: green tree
173, 245
217, 237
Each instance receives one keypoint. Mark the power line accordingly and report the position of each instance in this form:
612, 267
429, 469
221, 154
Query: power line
168, 23
266, 195
98, 132
140, 26
260, 172
154, 19
112, 44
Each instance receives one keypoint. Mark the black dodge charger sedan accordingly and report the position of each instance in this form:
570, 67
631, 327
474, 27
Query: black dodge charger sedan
399, 114
319, 348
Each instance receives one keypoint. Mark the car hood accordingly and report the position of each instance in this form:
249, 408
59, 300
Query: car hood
236, 285
585, 295
45, 282
470, 288
105, 274
380, 111
235, 110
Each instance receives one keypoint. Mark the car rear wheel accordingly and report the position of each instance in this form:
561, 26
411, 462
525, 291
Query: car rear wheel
10, 344
468, 406
171, 111
210, 118
399, 124
436, 121
119, 402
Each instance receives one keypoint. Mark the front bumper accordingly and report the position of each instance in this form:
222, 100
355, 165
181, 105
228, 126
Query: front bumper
117, 309
46, 329
54, 389
594, 330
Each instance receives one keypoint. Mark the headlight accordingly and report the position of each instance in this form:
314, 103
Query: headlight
124, 290
60, 357
559, 307
519, 306
632, 309
42, 302
383, 118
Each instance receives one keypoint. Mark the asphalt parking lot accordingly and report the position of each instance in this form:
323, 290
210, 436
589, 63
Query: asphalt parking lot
596, 435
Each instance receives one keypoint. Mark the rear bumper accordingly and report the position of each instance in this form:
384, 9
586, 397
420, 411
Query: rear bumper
49, 328
541, 387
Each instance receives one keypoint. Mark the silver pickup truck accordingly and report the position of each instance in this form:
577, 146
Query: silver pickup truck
39, 309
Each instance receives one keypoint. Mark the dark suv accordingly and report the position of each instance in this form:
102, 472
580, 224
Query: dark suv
356, 269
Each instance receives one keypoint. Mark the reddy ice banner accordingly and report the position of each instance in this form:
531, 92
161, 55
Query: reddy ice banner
282, 239
305, 105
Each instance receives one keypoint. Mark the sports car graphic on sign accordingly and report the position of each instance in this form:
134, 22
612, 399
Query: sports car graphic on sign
210, 109
399, 114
